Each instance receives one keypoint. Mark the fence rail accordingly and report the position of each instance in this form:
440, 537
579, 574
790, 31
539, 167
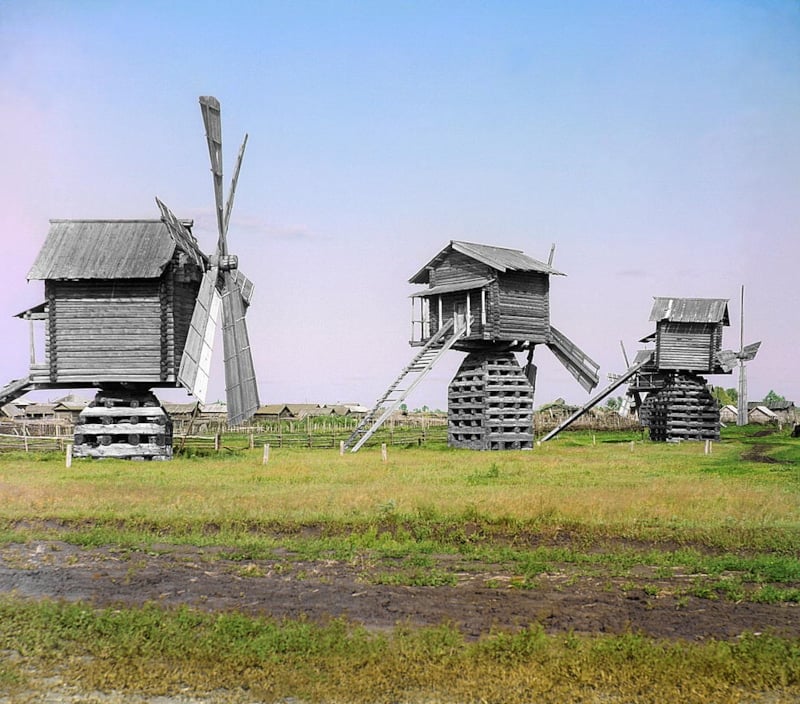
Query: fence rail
14, 442
42, 437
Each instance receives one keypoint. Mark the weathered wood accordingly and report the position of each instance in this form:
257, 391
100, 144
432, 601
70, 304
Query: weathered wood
490, 404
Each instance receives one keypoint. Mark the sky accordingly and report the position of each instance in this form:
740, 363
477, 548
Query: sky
656, 144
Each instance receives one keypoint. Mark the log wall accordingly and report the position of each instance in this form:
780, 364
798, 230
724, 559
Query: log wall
104, 331
687, 346
523, 306
458, 268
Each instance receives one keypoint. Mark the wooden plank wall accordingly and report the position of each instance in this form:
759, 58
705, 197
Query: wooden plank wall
523, 306
104, 330
687, 346
458, 268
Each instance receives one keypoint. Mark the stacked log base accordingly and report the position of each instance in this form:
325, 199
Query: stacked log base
490, 404
127, 425
684, 410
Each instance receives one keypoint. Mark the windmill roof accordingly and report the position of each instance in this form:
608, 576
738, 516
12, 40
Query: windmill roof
106, 249
500, 258
690, 310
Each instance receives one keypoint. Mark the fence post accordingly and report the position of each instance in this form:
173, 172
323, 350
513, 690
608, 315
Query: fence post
384, 454
69, 454
217, 442
252, 441
708, 447
341, 447
266, 454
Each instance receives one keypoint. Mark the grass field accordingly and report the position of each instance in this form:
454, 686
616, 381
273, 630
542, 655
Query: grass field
731, 517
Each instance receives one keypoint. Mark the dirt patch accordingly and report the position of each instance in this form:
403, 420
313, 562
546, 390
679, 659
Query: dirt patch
474, 597
758, 453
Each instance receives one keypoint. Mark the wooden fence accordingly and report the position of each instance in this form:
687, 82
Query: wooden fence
222, 442
44, 437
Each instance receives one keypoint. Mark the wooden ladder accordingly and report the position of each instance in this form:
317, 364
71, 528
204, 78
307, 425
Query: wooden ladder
412, 374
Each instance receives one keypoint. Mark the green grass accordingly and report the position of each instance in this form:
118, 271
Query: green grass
236, 658
603, 506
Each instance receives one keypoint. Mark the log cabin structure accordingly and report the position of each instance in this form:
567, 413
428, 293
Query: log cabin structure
119, 298
132, 305
665, 383
671, 392
490, 302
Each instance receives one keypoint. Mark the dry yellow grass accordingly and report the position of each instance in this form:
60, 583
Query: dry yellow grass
598, 488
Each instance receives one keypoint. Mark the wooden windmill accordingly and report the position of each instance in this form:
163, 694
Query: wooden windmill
665, 383
490, 302
677, 403
132, 305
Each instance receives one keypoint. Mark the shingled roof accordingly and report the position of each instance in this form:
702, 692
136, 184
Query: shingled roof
500, 258
690, 310
106, 249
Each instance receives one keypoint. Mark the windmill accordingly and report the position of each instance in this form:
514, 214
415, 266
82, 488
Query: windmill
221, 282
672, 398
133, 305
490, 302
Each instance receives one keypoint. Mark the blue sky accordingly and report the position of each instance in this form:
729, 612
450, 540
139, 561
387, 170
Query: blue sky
655, 143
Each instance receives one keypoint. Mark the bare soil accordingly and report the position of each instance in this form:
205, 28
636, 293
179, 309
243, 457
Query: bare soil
478, 598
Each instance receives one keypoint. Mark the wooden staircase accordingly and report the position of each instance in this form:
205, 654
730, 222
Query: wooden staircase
411, 375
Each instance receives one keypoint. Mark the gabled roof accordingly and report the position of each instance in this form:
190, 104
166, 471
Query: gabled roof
107, 249
763, 410
271, 409
179, 408
500, 258
690, 310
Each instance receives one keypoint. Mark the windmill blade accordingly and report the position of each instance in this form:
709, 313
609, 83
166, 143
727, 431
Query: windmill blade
234, 181
180, 235
727, 359
246, 287
195, 366
212, 120
240, 378
749, 352
575, 360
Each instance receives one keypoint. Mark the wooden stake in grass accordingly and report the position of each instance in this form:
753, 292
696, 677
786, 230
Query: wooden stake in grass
266, 454
69, 454
384, 454
341, 447
632, 445
708, 448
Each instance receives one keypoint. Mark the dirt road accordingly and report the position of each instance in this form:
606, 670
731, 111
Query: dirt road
475, 600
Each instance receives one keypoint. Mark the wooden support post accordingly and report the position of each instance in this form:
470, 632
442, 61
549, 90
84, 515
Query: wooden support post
266, 454
384, 454
217, 442
341, 447
69, 455
708, 448
252, 441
